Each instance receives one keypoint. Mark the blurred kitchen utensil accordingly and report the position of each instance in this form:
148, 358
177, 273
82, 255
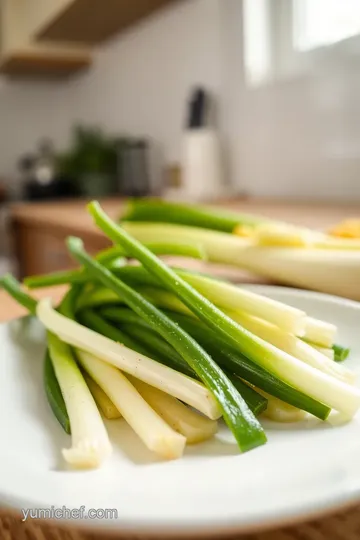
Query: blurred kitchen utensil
202, 174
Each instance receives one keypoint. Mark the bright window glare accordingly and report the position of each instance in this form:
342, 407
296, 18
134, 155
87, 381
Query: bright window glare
322, 22
256, 41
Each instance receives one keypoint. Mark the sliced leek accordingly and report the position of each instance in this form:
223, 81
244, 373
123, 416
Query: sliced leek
293, 345
318, 385
229, 296
193, 426
90, 442
340, 353
247, 430
279, 411
104, 403
219, 246
329, 353
320, 332
170, 381
187, 214
147, 424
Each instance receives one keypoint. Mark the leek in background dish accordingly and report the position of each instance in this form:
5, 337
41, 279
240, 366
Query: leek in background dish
326, 261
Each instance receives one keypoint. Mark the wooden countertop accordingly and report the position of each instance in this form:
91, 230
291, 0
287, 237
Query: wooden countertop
72, 215
9, 309
67, 215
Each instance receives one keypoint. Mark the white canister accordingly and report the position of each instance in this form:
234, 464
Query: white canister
202, 170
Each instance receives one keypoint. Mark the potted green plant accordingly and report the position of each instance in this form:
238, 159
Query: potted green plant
91, 161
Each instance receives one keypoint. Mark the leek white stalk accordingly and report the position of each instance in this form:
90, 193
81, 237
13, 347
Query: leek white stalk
320, 332
170, 381
287, 235
331, 242
104, 403
293, 345
279, 411
193, 426
219, 247
284, 234
268, 332
329, 353
330, 271
333, 270
226, 295
323, 387
90, 442
156, 434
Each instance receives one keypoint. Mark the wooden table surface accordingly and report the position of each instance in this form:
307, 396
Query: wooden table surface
73, 215
9, 309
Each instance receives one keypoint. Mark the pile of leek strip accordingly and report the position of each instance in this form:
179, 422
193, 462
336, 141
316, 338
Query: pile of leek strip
254, 230
173, 351
282, 252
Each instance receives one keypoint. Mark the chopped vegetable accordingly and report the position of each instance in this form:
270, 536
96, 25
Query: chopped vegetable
340, 353
145, 369
103, 402
193, 426
246, 429
187, 341
329, 353
219, 247
12, 286
147, 424
234, 361
93, 321
90, 442
254, 400
279, 411
350, 228
160, 350
186, 214
54, 395
319, 332
160, 297
285, 235
293, 345
157, 346
229, 296
318, 385
142, 339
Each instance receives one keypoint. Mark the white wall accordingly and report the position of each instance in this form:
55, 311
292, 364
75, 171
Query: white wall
139, 84
29, 111
141, 81
302, 137
298, 138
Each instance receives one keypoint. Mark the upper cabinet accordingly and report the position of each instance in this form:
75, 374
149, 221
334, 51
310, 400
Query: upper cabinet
55, 37
21, 56
92, 21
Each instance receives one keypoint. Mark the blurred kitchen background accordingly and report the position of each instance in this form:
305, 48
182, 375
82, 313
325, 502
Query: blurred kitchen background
247, 100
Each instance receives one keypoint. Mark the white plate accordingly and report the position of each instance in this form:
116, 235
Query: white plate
304, 469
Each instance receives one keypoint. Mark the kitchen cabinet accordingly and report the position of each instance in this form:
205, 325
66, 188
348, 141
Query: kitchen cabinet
20, 56
91, 21
39, 231
50, 38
